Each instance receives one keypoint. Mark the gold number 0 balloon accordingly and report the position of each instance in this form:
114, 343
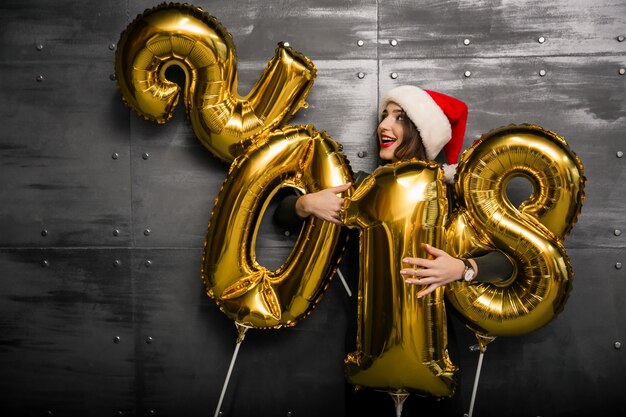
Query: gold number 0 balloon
531, 235
223, 121
247, 292
401, 340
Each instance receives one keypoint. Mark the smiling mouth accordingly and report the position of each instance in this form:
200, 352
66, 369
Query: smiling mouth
386, 141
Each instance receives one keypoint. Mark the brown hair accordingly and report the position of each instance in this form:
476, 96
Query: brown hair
411, 145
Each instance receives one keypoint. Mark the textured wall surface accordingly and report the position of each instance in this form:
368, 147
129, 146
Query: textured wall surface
103, 215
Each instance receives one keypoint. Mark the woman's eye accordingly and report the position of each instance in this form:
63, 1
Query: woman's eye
400, 118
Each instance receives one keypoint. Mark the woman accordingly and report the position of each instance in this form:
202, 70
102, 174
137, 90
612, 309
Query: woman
414, 123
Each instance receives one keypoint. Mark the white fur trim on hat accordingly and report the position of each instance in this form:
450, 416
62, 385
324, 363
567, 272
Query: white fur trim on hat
426, 115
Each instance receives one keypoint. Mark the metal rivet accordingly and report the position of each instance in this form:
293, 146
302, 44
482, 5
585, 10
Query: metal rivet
622, 71
45, 263
112, 77
39, 47
394, 75
149, 340
393, 42
617, 232
116, 339
115, 155
287, 233
50, 412
360, 42
111, 46
619, 154
620, 38
145, 155
466, 42
146, 232
147, 263
618, 265
44, 233
541, 39
117, 263
116, 232
286, 44
542, 73
361, 154
152, 412
361, 75
119, 413
467, 74
39, 78
617, 345
288, 413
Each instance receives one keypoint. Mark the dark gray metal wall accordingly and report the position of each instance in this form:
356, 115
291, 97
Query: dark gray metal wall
103, 215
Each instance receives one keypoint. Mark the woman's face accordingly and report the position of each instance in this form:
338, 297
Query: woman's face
390, 132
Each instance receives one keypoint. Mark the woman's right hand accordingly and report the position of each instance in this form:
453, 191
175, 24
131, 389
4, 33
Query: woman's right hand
325, 204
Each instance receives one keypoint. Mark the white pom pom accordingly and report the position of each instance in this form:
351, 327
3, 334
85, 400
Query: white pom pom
448, 173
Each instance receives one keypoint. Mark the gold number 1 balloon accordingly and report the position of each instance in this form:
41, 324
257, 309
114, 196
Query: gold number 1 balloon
223, 121
530, 235
401, 340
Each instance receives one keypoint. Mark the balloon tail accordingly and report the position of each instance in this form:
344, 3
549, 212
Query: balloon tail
241, 329
483, 341
478, 369
399, 398
345, 284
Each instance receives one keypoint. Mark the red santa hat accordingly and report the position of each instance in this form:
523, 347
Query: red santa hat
439, 118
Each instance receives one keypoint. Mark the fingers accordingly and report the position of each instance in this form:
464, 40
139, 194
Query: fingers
421, 272
430, 283
424, 263
433, 250
340, 188
420, 281
427, 290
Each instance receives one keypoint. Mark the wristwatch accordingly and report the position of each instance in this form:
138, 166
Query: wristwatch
468, 273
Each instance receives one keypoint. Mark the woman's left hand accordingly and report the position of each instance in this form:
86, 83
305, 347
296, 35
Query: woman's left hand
433, 273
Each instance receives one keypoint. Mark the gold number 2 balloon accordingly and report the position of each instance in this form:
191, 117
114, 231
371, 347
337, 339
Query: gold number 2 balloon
530, 235
297, 157
223, 121
401, 340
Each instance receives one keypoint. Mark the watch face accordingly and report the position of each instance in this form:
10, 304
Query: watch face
469, 274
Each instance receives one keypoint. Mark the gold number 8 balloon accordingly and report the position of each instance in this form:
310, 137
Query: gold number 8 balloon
223, 121
530, 235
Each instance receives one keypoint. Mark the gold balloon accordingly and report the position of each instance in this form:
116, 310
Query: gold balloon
247, 292
186, 36
531, 235
401, 340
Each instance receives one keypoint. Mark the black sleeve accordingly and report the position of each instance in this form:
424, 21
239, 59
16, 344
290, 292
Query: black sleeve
493, 266
285, 214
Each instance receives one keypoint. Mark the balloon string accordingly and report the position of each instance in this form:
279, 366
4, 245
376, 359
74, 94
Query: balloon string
343, 281
242, 332
478, 368
398, 399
